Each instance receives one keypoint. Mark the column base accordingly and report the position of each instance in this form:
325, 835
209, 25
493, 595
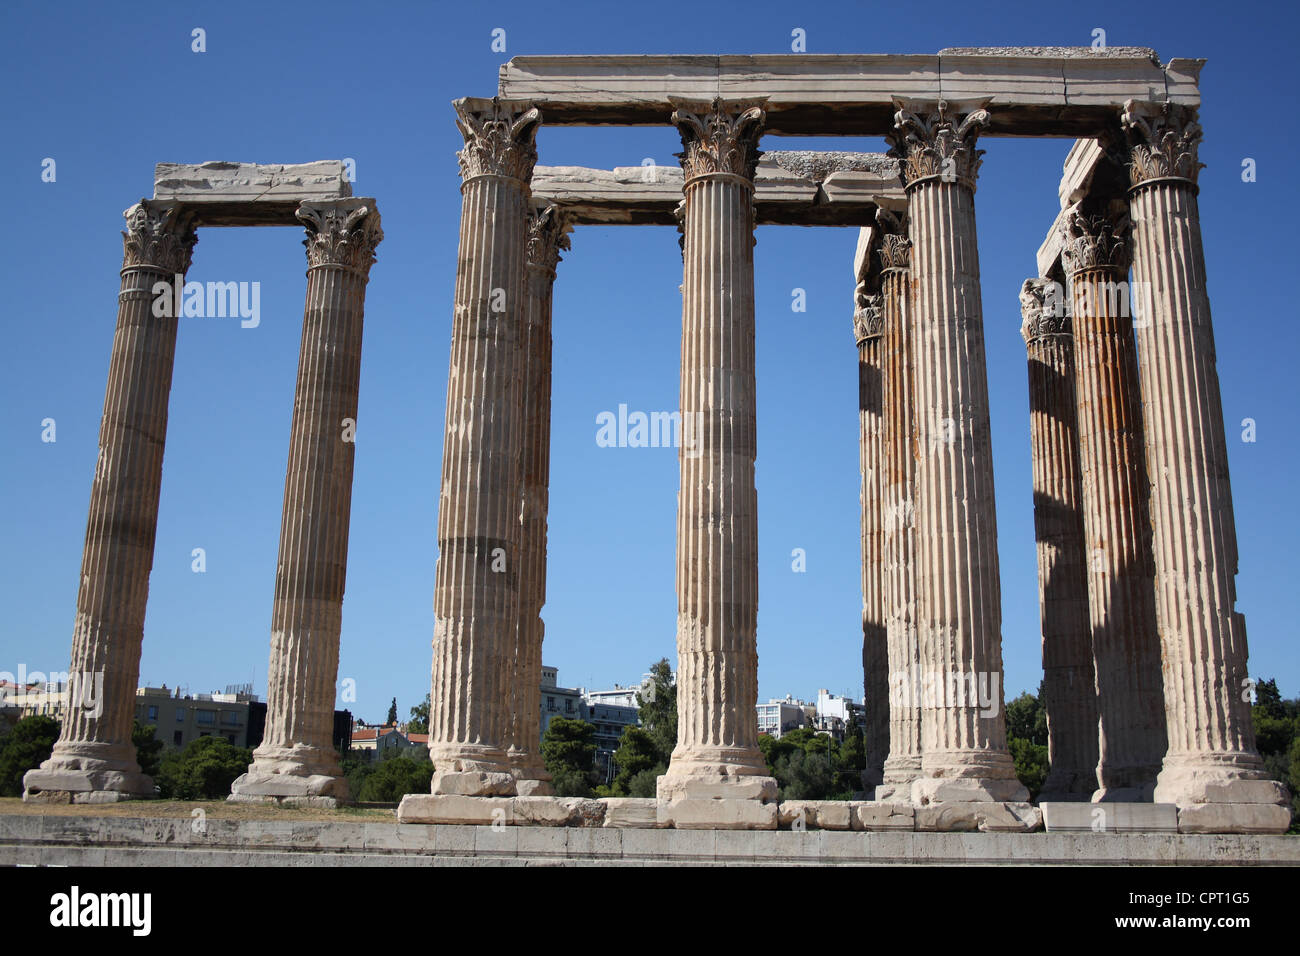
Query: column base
531, 778
472, 783
973, 778
899, 775
88, 772
1234, 779
717, 773
294, 776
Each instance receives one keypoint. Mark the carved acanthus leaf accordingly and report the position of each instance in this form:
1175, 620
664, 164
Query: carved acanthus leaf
938, 142
548, 233
1163, 140
720, 139
342, 233
1042, 310
868, 314
159, 235
1093, 242
500, 140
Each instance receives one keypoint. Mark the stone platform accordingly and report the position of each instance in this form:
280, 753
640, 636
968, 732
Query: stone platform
61, 840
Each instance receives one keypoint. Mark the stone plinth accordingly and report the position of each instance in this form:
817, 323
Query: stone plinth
1110, 817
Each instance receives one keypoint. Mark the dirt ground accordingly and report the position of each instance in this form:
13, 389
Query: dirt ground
215, 810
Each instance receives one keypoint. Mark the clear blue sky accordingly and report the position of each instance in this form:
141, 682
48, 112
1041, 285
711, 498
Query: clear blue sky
108, 93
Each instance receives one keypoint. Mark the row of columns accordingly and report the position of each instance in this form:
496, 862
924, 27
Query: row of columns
1144, 656
932, 609
94, 758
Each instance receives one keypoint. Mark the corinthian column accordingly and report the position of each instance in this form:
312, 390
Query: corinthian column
1212, 769
296, 761
903, 765
547, 235
1125, 643
958, 601
717, 751
867, 328
94, 758
1069, 694
476, 591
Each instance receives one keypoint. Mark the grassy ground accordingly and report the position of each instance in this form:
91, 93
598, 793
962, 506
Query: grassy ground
215, 810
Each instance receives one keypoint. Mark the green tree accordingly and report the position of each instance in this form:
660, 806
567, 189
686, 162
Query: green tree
419, 723
569, 751
1030, 760
357, 769
1027, 718
803, 775
25, 748
148, 748
204, 770
392, 714
394, 778
637, 754
657, 709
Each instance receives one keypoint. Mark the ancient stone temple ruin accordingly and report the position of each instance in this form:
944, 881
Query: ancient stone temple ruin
1144, 654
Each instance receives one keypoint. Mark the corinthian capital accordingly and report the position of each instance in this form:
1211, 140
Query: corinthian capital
895, 249
719, 138
1094, 241
548, 233
1162, 140
868, 316
342, 233
159, 236
937, 141
500, 138
1042, 310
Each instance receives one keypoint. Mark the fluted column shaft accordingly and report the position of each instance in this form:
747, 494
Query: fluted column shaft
867, 327
546, 237
903, 765
94, 757
476, 590
296, 757
958, 598
1069, 693
717, 513
1211, 756
1125, 644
